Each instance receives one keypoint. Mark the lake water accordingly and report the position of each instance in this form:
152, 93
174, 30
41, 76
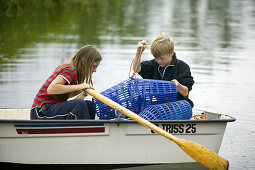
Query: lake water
216, 38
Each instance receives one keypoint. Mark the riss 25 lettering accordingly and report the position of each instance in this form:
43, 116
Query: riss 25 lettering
178, 128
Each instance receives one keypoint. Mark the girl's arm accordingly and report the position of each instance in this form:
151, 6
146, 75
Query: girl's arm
137, 60
58, 86
183, 90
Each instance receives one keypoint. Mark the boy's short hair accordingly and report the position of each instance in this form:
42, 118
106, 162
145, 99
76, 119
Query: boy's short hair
162, 45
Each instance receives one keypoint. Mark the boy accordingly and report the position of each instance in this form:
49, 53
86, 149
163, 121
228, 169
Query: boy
165, 66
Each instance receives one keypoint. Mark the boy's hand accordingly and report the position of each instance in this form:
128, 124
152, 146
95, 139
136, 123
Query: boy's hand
142, 45
176, 82
183, 90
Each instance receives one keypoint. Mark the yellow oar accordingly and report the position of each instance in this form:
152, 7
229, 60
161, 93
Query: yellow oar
200, 153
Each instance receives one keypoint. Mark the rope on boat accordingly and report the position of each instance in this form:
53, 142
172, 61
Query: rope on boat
199, 117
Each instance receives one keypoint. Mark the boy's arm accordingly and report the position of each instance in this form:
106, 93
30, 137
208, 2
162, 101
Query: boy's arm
183, 90
140, 48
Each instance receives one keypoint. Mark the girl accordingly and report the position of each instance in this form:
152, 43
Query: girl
68, 81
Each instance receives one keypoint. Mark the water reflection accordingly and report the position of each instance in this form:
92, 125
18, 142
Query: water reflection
196, 25
215, 37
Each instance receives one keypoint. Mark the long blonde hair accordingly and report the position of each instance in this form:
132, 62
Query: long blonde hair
83, 61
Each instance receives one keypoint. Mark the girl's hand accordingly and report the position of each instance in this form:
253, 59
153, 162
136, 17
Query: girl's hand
83, 86
142, 45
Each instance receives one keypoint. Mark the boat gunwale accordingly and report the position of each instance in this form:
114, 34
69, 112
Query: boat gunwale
231, 119
121, 120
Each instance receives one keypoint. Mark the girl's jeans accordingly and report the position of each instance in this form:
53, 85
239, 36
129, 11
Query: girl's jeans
71, 109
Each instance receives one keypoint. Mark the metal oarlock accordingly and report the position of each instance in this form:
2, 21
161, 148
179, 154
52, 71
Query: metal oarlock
118, 114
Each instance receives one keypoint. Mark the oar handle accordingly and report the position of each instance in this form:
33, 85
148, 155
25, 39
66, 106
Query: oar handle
130, 114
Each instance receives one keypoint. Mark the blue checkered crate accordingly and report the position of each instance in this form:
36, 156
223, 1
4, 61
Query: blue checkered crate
179, 110
166, 111
123, 93
158, 112
153, 92
182, 109
135, 94
151, 113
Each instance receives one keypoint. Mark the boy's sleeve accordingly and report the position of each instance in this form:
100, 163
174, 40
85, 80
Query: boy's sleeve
185, 77
68, 74
146, 69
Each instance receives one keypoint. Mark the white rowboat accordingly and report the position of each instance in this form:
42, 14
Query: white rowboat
98, 142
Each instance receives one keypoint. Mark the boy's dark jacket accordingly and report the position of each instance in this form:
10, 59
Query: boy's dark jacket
177, 69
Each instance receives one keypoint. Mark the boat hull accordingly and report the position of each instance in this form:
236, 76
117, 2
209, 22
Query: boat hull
103, 141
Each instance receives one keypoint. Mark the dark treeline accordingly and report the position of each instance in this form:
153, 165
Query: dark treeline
25, 23
19, 7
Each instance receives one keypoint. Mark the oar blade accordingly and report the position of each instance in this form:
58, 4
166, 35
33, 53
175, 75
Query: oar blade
203, 155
